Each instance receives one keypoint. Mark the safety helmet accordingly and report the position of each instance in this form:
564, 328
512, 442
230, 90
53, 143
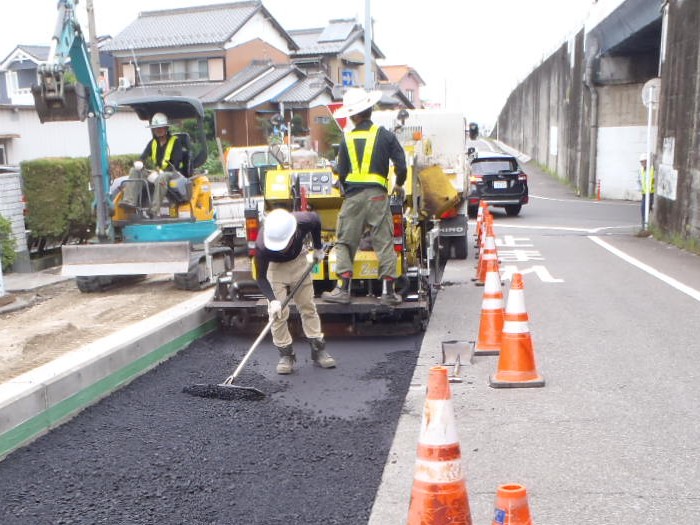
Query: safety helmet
643, 157
159, 120
356, 100
278, 229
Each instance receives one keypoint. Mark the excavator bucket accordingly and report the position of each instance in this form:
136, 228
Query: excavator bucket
125, 258
66, 102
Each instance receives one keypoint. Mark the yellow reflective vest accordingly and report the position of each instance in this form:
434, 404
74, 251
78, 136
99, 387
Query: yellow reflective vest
165, 163
360, 173
644, 182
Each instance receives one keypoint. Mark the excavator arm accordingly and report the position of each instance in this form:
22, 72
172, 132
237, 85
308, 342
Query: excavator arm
58, 98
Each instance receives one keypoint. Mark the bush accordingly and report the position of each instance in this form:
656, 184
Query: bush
8, 244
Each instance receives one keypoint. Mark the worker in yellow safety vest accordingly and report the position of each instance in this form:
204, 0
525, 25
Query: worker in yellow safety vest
363, 168
647, 185
164, 153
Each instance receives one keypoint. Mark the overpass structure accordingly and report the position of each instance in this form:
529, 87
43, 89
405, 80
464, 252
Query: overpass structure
581, 114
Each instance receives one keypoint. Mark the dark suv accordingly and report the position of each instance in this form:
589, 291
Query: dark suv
497, 179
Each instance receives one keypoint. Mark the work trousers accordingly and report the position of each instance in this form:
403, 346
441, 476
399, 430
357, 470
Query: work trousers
132, 190
283, 277
644, 203
366, 208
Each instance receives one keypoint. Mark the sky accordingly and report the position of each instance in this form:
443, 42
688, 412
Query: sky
470, 53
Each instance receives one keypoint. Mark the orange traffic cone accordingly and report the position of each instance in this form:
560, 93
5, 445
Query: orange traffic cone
439, 494
516, 363
479, 222
511, 506
490, 253
492, 313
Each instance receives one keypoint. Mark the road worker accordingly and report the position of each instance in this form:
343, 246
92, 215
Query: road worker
363, 168
647, 184
164, 154
281, 261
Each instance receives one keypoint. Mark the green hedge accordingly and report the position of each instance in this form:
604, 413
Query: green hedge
59, 198
8, 244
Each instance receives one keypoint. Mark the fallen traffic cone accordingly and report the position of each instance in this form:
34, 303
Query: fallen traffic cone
492, 313
439, 493
516, 363
490, 253
511, 506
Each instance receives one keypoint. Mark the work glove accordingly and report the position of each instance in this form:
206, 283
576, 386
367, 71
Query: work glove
399, 192
274, 309
153, 177
319, 255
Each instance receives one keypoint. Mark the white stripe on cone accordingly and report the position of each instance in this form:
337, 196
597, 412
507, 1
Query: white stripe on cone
438, 471
516, 302
438, 425
515, 327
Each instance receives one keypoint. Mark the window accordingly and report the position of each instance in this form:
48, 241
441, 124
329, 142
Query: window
159, 71
409, 95
3, 157
322, 120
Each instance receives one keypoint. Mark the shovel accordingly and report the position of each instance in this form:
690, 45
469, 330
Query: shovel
228, 390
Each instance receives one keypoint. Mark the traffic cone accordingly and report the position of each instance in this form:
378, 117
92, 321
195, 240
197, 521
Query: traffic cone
479, 221
516, 363
490, 253
492, 313
511, 506
439, 493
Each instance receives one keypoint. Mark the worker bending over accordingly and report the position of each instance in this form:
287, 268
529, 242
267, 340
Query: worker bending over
281, 262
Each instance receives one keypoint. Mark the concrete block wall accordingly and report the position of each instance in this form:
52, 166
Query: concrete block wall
12, 208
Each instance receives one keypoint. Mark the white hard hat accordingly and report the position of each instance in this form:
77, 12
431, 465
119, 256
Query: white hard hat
643, 157
159, 120
356, 100
278, 229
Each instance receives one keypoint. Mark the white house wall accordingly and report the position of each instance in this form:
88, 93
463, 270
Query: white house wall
12, 207
125, 134
262, 28
617, 164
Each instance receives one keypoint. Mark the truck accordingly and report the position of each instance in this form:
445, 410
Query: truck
127, 245
429, 193
438, 138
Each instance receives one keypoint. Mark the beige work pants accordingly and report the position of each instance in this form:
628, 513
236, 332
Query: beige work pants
283, 277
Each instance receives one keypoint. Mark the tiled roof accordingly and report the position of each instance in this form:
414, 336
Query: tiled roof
305, 90
330, 40
209, 24
244, 86
41, 53
396, 73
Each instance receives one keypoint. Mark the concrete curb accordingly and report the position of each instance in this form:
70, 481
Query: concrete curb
394, 493
40, 400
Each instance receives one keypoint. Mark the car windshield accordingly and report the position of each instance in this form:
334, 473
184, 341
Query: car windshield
486, 167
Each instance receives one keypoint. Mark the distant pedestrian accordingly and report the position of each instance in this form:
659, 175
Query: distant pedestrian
647, 184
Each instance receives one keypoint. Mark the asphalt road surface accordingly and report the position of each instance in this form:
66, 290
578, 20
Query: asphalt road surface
312, 451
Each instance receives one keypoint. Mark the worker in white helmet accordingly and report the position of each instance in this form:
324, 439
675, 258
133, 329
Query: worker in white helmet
281, 250
164, 154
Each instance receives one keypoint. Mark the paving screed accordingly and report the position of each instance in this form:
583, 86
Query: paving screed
312, 451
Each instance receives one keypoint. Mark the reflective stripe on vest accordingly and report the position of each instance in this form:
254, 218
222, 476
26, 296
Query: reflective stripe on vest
166, 156
360, 170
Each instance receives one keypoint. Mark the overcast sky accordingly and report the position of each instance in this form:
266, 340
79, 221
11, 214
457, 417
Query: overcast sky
470, 53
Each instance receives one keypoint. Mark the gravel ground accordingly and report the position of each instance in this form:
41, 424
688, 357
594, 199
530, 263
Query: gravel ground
310, 452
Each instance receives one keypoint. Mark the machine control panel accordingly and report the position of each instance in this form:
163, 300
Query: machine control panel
316, 182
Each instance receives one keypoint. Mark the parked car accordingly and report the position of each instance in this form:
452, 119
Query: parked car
497, 179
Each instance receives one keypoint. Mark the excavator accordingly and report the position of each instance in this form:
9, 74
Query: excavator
186, 241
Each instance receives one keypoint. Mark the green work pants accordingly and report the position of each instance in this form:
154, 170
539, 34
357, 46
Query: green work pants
132, 190
283, 277
366, 208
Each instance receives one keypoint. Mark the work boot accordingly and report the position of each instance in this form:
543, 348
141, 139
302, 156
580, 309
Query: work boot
340, 294
319, 355
389, 295
287, 360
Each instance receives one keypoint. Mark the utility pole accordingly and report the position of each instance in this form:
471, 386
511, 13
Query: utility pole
94, 52
369, 78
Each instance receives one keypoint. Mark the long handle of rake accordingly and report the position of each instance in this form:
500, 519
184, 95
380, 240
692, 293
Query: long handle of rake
230, 379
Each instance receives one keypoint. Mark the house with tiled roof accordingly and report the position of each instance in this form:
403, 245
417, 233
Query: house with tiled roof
337, 50
234, 57
407, 80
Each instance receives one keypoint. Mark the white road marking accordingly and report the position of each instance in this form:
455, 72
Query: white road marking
692, 292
